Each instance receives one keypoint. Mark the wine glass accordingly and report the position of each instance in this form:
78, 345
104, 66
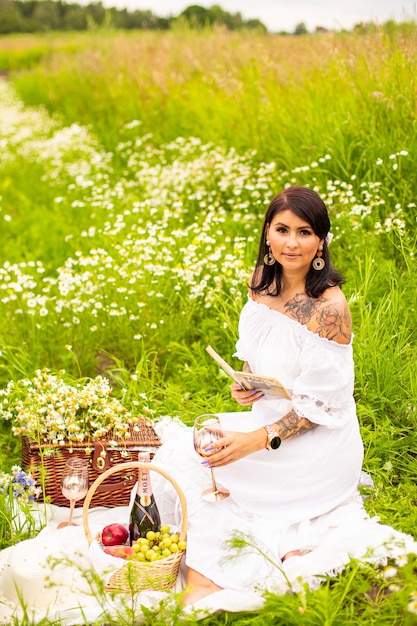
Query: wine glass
207, 429
74, 484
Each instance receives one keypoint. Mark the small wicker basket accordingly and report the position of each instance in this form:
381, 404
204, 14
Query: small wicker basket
137, 576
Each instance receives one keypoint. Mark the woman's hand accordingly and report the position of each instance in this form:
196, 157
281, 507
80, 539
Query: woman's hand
234, 446
245, 398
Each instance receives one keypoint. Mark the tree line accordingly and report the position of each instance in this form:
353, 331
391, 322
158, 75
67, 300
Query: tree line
30, 16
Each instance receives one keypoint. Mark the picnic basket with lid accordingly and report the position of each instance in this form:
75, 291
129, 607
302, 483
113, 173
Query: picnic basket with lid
136, 576
102, 454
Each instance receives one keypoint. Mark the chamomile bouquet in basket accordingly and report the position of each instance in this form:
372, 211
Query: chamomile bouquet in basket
58, 417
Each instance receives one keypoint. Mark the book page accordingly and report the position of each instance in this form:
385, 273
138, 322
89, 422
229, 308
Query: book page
269, 386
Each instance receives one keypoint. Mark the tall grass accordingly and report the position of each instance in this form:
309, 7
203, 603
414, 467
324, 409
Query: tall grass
131, 200
289, 98
24, 52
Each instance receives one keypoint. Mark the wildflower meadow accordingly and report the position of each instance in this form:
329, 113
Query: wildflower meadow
135, 170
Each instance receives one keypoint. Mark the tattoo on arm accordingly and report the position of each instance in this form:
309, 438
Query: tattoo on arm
292, 425
333, 322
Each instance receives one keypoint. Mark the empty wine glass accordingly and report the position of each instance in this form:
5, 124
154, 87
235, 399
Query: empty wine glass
207, 429
74, 484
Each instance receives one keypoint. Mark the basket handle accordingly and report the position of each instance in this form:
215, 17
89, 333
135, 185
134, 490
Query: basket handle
133, 465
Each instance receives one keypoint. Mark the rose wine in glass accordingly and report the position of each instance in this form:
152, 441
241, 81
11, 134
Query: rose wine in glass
207, 429
74, 484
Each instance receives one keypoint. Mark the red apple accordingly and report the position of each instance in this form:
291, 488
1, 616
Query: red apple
121, 551
114, 534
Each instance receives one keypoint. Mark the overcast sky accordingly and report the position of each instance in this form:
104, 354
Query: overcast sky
285, 14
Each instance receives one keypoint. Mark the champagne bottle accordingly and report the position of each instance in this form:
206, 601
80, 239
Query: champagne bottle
144, 515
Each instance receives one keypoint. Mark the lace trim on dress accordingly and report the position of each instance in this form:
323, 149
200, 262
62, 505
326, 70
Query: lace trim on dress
316, 409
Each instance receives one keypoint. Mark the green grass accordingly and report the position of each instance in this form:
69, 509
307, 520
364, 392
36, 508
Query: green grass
131, 198
289, 98
25, 52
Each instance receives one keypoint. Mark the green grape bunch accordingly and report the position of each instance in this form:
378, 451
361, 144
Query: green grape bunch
156, 545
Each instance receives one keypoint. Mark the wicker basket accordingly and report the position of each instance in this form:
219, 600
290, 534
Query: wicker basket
100, 454
137, 576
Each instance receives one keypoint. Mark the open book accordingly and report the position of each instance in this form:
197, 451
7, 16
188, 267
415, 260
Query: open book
248, 380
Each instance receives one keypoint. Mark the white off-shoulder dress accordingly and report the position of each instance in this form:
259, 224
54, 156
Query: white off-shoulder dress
303, 496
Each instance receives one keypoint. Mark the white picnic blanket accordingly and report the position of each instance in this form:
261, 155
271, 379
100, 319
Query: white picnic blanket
52, 576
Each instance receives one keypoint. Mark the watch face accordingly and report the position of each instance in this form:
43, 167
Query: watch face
275, 443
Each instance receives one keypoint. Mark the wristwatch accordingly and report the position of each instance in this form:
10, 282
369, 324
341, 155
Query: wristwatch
274, 441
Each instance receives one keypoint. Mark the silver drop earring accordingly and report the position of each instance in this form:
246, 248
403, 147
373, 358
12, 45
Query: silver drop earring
318, 262
269, 258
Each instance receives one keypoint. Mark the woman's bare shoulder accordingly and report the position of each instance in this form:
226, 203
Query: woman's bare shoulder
332, 318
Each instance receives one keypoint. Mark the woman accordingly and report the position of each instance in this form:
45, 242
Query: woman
292, 466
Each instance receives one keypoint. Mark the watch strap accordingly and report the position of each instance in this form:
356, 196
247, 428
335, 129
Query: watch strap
274, 441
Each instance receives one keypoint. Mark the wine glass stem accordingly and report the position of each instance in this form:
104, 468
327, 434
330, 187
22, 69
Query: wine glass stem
72, 505
213, 480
